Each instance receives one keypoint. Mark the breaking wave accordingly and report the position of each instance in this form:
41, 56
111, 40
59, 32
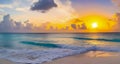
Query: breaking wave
57, 51
110, 40
48, 45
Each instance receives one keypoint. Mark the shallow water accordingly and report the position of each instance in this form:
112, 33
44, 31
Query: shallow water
39, 48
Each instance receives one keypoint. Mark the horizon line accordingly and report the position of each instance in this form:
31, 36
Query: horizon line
58, 32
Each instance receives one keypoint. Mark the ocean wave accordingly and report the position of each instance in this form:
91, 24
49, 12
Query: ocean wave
48, 45
40, 56
99, 39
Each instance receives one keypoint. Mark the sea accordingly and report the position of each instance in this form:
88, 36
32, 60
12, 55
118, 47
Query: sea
36, 48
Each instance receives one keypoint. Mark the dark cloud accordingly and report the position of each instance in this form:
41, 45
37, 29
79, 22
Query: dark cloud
43, 5
9, 25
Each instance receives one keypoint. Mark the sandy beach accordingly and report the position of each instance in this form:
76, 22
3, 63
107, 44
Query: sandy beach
91, 57
4, 61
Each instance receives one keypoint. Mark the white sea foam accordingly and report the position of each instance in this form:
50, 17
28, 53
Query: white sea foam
40, 56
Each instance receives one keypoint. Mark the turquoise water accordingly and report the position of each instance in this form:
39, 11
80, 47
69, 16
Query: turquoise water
38, 41
39, 48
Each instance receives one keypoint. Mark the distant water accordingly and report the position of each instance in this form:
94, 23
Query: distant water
49, 40
24, 47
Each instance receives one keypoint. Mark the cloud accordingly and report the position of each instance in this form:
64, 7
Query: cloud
21, 11
117, 19
6, 6
6, 25
117, 3
25, 9
117, 15
66, 5
9, 25
62, 13
43, 5
1, 11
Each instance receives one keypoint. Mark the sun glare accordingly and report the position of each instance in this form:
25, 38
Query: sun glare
96, 22
94, 25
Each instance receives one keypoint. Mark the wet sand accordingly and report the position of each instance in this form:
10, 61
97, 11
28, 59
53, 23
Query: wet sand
97, 57
4, 61
90, 58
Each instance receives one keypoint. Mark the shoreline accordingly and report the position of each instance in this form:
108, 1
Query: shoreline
92, 57
98, 57
5, 61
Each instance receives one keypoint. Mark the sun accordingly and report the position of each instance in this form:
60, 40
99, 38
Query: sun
96, 22
94, 25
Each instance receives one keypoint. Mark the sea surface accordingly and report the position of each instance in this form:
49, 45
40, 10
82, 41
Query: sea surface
39, 48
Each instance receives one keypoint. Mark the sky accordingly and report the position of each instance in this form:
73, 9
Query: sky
18, 8
57, 11
105, 7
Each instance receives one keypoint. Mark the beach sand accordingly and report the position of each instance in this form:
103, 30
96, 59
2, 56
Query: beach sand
4, 61
97, 57
91, 57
